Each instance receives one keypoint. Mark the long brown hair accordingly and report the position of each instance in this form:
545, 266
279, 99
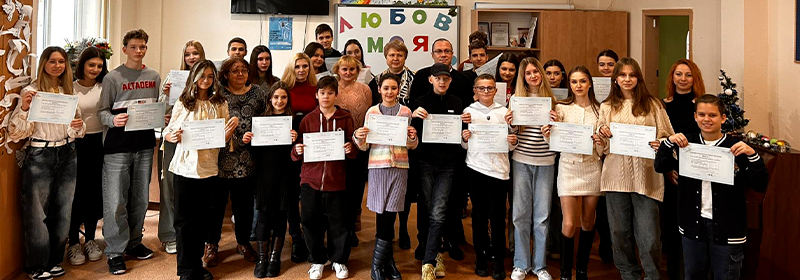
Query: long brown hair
64, 80
643, 101
255, 72
698, 87
571, 95
521, 89
287, 111
188, 98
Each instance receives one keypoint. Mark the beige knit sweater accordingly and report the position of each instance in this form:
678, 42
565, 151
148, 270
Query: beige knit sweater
627, 173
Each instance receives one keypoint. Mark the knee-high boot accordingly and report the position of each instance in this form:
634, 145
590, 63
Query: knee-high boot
584, 248
567, 249
274, 268
261, 263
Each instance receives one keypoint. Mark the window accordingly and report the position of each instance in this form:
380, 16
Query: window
68, 20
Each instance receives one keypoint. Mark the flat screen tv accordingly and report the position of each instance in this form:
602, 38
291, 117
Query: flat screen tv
287, 7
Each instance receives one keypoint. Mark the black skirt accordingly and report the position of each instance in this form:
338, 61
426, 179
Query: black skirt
277, 177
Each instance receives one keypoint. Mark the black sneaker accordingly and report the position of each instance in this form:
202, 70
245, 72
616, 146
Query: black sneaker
140, 252
57, 271
40, 275
116, 265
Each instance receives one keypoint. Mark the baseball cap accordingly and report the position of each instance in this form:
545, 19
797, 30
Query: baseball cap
440, 69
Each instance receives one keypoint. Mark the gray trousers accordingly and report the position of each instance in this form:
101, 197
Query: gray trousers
634, 222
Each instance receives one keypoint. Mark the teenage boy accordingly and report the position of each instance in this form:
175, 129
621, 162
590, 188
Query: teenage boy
712, 216
478, 57
322, 185
488, 177
437, 164
237, 47
128, 159
324, 35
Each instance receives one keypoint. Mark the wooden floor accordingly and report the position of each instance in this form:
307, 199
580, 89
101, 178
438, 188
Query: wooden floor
163, 265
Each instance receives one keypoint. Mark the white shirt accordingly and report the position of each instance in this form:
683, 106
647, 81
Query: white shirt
706, 203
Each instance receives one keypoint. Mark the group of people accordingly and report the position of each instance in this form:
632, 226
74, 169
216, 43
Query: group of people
69, 181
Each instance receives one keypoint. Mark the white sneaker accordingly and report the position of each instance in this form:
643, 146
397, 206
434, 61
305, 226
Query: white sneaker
315, 272
93, 250
518, 274
171, 247
439, 271
341, 270
544, 275
56, 271
75, 255
40, 275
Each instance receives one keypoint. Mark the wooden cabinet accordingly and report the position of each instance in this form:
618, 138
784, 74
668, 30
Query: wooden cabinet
573, 37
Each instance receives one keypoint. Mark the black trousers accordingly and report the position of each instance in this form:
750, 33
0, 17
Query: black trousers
355, 181
488, 204
293, 208
384, 225
270, 223
319, 209
671, 239
193, 199
242, 193
87, 206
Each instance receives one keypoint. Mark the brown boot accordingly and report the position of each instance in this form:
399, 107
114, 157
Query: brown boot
247, 251
210, 255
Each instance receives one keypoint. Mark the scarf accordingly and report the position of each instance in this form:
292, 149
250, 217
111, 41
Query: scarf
406, 78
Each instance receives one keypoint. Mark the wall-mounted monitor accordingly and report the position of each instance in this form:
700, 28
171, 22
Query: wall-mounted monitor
286, 7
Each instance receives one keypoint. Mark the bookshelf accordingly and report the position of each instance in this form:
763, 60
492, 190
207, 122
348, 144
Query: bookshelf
574, 37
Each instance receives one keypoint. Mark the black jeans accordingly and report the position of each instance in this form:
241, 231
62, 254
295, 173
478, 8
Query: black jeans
87, 207
355, 182
193, 198
384, 225
293, 208
242, 192
435, 183
488, 204
271, 223
671, 240
321, 208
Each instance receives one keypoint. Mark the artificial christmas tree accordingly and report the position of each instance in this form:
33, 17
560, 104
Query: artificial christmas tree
730, 97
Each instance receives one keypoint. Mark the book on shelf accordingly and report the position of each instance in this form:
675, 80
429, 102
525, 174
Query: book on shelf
531, 32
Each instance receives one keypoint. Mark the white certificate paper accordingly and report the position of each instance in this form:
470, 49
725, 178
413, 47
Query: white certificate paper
559, 93
632, 140
500, 95
205, 134
488, 138
530, 110
602, 87
178, 80
572, 138
145, 116
323, 146
272, 131
707, 163
54, 108
442, 128
387, 130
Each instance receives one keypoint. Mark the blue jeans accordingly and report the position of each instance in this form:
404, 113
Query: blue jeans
48, 187
725, 261
533, 187
166, 205
633, 220
435, 183
126, 190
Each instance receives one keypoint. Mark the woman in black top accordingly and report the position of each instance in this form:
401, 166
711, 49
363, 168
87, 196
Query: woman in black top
684, 85
316, 52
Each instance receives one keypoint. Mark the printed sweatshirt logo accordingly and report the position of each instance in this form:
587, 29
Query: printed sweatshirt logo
138, 85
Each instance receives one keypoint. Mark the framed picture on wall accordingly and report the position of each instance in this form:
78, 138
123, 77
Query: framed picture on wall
500, 34
484, 27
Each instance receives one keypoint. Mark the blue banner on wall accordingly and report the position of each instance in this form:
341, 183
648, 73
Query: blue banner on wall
280, 33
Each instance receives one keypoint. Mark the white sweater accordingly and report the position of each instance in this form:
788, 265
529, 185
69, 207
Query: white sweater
494, 165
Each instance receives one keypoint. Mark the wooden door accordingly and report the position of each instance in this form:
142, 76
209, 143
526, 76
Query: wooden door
650, 54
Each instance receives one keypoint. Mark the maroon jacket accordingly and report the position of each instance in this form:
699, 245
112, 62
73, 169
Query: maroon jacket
326, 175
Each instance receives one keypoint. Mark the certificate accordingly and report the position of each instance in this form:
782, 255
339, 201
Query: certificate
178, 80
488, 138
53, 108
559, 93
387, 130
530, 110
572, 138
500, 95
272, 131
205, 134
145, 116
441, 128
707, 163
323, 146
602, 87
632, 140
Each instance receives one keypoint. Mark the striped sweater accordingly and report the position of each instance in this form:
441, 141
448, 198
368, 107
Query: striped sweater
532, 148
384, 156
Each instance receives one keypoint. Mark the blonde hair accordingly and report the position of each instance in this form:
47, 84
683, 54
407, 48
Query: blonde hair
346, 60
521, 89
64, 80
196, 45
289, 76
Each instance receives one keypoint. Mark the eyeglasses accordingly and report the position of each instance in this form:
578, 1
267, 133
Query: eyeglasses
485, 89
443, 51
238, 71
